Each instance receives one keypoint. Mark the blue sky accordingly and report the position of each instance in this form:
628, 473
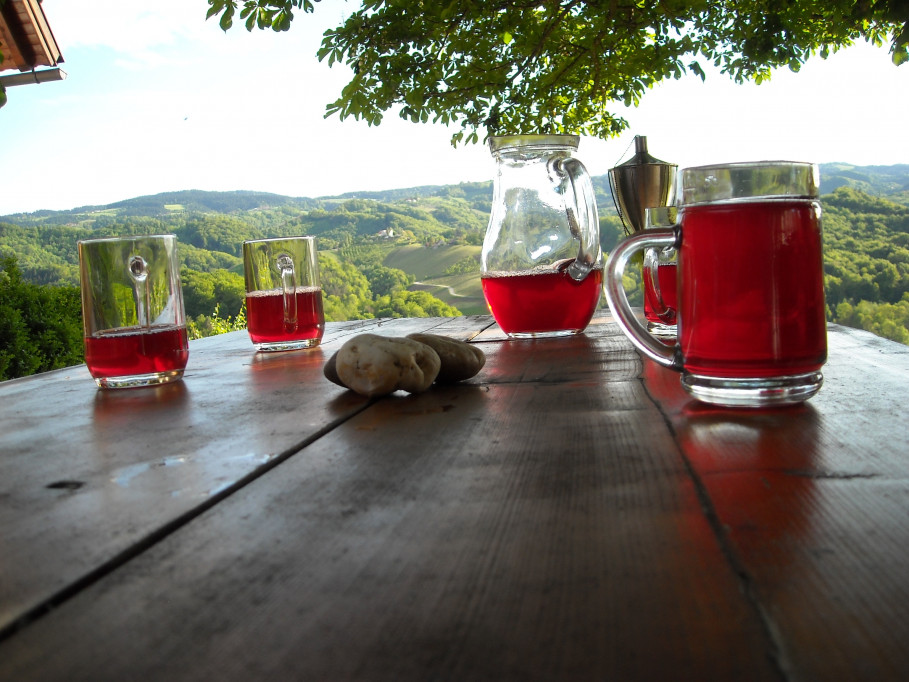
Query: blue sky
159, 99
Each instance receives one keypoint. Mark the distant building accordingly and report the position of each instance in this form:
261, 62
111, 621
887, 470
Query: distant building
386, 234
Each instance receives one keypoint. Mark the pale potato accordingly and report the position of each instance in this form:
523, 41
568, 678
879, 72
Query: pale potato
375, 365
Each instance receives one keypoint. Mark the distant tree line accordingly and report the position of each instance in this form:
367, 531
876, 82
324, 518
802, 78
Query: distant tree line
40, 308
866, 263
866, 244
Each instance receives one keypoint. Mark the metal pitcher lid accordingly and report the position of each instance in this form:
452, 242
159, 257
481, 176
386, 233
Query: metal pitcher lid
641, 156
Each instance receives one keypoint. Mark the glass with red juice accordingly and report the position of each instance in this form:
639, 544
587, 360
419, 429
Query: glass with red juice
660, 278
660, 287
132, 310
541, 265
283, 293
751, 314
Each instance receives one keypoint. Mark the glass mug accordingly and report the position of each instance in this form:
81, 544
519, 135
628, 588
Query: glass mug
132, 310
283, 293
751, 313
541, 268
660, 278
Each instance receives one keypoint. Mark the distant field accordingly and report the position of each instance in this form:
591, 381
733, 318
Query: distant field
428, 265
464, 292
423, 262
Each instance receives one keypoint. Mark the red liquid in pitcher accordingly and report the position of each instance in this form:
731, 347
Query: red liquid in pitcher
526, 303
136, 351
666, 279
265, 316
752, 289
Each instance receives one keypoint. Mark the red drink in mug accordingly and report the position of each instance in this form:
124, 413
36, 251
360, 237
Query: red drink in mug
758, 311
265, 316
283, 293
666, 280
136, 351
751, 328
132, 310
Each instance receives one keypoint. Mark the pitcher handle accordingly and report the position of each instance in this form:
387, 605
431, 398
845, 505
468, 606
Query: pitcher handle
668, 356
582, 216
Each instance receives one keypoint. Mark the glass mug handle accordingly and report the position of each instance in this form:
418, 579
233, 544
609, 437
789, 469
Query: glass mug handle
658, 238
582, 216
289, 285
138, 273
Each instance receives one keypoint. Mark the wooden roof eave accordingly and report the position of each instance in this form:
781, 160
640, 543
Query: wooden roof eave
26, 39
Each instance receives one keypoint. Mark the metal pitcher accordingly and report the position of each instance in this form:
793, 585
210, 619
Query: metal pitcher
640, 183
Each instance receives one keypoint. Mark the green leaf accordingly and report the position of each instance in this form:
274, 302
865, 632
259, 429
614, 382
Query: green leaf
216, 7
226, 20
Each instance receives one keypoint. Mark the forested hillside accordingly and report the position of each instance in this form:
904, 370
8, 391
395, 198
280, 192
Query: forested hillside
866, 262
406, 252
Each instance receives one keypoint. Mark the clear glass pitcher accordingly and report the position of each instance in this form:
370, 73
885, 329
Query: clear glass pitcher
541, 267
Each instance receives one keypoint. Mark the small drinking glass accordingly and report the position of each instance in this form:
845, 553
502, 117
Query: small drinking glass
283, 293
132, 310
659, 275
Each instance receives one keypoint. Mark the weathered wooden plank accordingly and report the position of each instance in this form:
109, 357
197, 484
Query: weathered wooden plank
570, 513
813, 502
88, 476
534, 524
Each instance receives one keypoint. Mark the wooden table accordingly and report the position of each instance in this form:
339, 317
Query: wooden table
568, 514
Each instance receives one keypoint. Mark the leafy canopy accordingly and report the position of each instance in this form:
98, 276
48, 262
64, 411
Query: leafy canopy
560, 66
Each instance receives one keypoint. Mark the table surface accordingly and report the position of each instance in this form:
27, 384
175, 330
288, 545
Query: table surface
569, 513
